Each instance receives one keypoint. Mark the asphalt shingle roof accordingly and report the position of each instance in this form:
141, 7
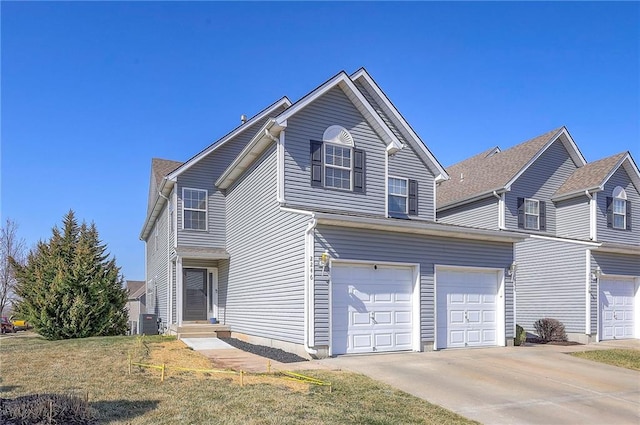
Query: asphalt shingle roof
488, 171
161, 167
590, 175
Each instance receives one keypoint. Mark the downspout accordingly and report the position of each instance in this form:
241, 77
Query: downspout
308, 284
270, 136
169, 300
592, 235
501, 218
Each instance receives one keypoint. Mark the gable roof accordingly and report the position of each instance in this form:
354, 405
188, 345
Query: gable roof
396, 121
496, 170
272, 128
164, 183
593, 176
136, 288
160, 168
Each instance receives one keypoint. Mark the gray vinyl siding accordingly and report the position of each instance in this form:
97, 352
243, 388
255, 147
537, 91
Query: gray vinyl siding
408, 165
264, 292
540, 181
203, 175
482, 213
572, 218
174, 298
333, 108
371, 245
551, 282
605, 234
157, 268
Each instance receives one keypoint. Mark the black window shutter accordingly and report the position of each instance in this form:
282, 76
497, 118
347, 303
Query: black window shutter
521, 213
628, 215
413, 197
609, 212
358, 170
543, 215
316, 163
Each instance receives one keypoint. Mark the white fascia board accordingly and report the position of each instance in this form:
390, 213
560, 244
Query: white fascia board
581, 192
631, 169
344, 82
568, 143
474, 198
571, 241
618, 248
249, 154
165, 189
284, 102
393, 112
420, 228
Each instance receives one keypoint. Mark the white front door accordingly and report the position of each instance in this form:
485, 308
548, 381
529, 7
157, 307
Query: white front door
467, 308
617, 297
371, 308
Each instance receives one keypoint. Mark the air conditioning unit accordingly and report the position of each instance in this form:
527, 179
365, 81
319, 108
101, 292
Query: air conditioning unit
148, 324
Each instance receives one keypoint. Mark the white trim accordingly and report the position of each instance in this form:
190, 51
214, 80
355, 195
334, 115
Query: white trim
206, 209
406, 197
636, 301
593, 217
338, 135
296, 211
386, 185
435, 201
179, 289
174, 199
588, 292
573, 241
212, 293
281, 167
441, 173
501, 340
634, 175
502, 222
415, 296
537, 215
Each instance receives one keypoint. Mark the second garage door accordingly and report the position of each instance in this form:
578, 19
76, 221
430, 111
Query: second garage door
617, 308
371, 308
467, 308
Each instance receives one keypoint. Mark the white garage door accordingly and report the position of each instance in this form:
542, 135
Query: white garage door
617, 308
371, 308
467, 308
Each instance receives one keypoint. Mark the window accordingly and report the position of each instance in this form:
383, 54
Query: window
532, 214
194, 209
337, 166
336, 163
618, 210
398, 195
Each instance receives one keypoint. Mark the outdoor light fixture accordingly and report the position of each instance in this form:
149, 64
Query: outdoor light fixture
511, 271
324, 259
595, 274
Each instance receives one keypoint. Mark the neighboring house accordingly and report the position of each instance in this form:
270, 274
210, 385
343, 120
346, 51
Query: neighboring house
581, 264
311, 227
136, 302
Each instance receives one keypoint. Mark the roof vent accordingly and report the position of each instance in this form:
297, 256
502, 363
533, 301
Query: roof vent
243, 118
461, 177
337, 134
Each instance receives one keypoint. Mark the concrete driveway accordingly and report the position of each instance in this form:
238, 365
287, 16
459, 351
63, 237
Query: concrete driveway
539, 384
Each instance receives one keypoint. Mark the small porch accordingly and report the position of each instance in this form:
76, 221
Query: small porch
195, 292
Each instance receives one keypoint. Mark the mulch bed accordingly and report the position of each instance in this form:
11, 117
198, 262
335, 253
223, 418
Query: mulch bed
534, 340
268, 352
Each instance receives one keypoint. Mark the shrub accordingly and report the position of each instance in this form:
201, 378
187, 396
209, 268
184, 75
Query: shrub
521, 336
550, 330
43, 409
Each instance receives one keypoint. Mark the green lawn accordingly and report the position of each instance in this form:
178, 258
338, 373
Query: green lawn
99, 367
628, 358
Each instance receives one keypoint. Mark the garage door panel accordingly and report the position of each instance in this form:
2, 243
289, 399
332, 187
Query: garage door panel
617, 316
467, 308
378, 305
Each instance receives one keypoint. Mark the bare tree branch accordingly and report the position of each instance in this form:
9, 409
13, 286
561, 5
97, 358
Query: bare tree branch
11, 246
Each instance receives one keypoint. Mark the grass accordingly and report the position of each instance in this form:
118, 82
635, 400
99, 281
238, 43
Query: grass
99, 367
627, 358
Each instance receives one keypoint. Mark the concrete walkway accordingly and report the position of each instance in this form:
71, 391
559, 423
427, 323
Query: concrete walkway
539, 384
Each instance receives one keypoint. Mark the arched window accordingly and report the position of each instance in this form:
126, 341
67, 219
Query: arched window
618, 209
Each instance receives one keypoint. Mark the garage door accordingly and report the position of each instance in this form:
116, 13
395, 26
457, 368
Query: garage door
371, 308
467, 308
616, 308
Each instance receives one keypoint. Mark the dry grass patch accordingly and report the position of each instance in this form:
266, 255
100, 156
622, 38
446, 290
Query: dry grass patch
622, 357
99, 367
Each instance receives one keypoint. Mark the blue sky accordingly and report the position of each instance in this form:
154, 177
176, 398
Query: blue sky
92, 91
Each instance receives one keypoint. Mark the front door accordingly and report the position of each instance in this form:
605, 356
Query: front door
195, 294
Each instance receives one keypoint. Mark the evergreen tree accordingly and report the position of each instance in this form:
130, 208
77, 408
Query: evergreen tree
69, 287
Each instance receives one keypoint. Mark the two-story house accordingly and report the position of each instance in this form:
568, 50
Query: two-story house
581, 263
311, 227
